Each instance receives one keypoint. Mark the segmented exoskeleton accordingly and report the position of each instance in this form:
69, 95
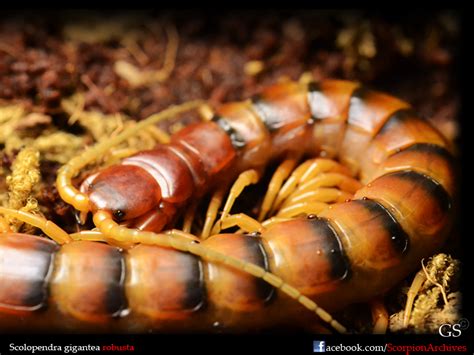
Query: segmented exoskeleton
350, 252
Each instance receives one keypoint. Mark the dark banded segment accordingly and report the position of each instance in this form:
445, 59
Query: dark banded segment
373, 237
329, 105
307, 254
402, 130
368, 112
340, 267
429, 159
233, 289
88, 281
267, 115
25, 265
265, 291
283, 106
163, 283
428, 185
419, 203
398, 238
432, 149
329, 100
237, 140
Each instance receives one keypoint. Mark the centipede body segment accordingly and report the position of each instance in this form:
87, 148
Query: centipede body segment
352, 252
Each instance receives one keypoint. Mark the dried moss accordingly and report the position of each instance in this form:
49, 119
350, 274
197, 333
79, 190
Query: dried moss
102, 126
22, 182
430, 309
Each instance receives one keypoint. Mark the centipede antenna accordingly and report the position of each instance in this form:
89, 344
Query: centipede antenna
189, 243
206, 112
79, 200
49, 228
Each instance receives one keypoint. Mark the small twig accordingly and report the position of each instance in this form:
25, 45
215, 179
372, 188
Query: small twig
137, 77
434, 282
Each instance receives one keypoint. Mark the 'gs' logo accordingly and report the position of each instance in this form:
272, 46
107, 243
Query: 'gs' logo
453, 330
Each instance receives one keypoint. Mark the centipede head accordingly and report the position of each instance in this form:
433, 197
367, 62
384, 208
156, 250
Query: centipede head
125, 191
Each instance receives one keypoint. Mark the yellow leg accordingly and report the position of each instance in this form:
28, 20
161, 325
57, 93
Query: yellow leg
290, 185
172, 239
306, 208
79, 200
380, 316
246, 178
189, 218
305, 172
282, 172
241, 220
211, 214
49, 228
343, 182
274, 220
418, 281
322, 166
322, 194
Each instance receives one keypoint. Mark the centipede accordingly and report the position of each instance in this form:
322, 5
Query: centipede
372, 197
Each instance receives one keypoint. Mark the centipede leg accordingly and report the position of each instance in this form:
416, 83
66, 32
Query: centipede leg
322, 194
189, 217
303, 174
379, 316
211, 214
282, 172
306, 208
274, 220
291, 183
241, 220
341, 181
415, 287
246, 178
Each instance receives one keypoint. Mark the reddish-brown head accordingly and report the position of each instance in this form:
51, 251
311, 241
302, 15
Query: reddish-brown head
125, 191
